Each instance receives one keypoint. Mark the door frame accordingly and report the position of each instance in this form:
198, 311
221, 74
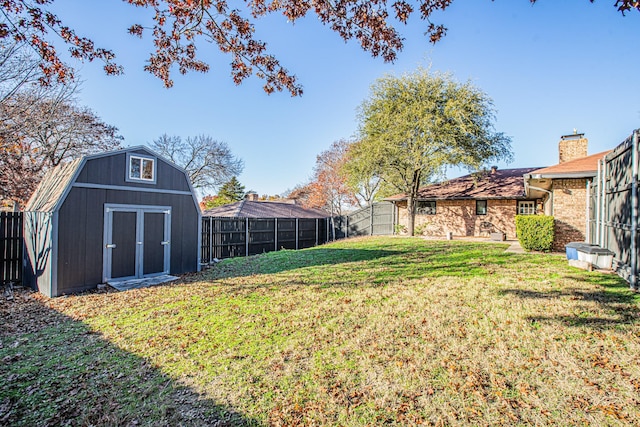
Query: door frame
140, 210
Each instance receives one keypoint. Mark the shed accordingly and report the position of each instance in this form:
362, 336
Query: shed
114, 216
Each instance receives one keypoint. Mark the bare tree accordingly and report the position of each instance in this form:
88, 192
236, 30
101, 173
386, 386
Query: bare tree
41, 126
208, 162
18, 68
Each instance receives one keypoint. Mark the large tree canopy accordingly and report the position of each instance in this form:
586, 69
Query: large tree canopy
208, 162
179, 25
414, 126
327, 188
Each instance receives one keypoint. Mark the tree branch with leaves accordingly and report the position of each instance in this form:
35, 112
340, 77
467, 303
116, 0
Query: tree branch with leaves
178, 27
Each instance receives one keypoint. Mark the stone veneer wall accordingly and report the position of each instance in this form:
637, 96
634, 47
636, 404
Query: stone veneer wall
459, 217
569, 211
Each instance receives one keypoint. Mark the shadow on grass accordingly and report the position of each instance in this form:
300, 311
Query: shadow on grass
56, 371
614, 297
286, 260
357, 266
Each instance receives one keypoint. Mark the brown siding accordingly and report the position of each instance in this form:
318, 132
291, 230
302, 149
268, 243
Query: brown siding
459, 217
569, 211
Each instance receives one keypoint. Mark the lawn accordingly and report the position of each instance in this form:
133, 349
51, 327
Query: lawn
369, 331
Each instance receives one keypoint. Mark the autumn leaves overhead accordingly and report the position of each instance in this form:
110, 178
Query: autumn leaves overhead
180, 25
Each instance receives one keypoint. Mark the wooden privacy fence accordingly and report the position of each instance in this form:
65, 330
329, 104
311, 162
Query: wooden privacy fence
11, 247
613, 208
232, 237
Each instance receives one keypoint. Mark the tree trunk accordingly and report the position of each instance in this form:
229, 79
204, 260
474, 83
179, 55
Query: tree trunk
411, 215
411, 201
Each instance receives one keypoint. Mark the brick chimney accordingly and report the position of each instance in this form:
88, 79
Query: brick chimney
572, 147
251, 196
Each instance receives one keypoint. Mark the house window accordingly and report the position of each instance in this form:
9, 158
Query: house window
527, 207
426, 207
141, 169
481, 207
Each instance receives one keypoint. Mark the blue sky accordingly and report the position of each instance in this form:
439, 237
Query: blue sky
550, 68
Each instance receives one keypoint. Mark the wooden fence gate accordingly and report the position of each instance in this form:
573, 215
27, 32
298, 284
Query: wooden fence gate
375, 220
613, 208
11, 247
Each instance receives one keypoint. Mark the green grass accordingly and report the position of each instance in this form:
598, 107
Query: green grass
368, 331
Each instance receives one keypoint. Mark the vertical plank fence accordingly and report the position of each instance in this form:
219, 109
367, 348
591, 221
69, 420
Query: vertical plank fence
613, 213
11, 247
232, 237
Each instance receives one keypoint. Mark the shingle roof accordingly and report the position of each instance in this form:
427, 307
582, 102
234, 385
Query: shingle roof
249, 209
52, 187
501, 184
584, 166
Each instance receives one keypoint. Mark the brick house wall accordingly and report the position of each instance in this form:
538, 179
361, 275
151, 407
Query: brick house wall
569, 211
459, 217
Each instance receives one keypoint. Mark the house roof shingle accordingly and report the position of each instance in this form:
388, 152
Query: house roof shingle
501, 184
251, 209
582, 167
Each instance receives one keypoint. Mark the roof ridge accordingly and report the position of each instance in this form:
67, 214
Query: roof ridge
240, 206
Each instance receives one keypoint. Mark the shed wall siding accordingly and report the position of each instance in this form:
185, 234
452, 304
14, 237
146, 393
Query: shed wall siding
38, 228
112, 170
81, 226
459, 217
569, 211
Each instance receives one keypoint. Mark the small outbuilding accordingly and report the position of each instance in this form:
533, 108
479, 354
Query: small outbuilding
109, 217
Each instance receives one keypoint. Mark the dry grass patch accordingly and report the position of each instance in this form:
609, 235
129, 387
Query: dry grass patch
380, 331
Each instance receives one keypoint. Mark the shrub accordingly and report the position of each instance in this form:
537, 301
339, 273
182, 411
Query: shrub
535, 232
419, 229
400, 229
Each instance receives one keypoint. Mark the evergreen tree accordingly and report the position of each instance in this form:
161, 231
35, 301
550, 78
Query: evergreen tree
231, 191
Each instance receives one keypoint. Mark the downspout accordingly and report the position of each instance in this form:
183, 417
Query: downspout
587, 225
633, 279
550, 193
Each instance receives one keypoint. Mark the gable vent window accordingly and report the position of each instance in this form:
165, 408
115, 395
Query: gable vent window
141, 169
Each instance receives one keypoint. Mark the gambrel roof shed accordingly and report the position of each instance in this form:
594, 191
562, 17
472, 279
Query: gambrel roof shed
120, 215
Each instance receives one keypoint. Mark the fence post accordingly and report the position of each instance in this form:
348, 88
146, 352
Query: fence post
210, 240
371, 220
317, 231
327, 223
603, 190
598, 202
275, 233
346, 227
297, 237
633, 280
246, 236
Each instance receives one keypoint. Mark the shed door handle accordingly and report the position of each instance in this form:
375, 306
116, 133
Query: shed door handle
165, 243
111, 246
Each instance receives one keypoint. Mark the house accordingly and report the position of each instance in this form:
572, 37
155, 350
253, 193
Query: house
250, 207
482, 203
564, 188
109, 217
477, 204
